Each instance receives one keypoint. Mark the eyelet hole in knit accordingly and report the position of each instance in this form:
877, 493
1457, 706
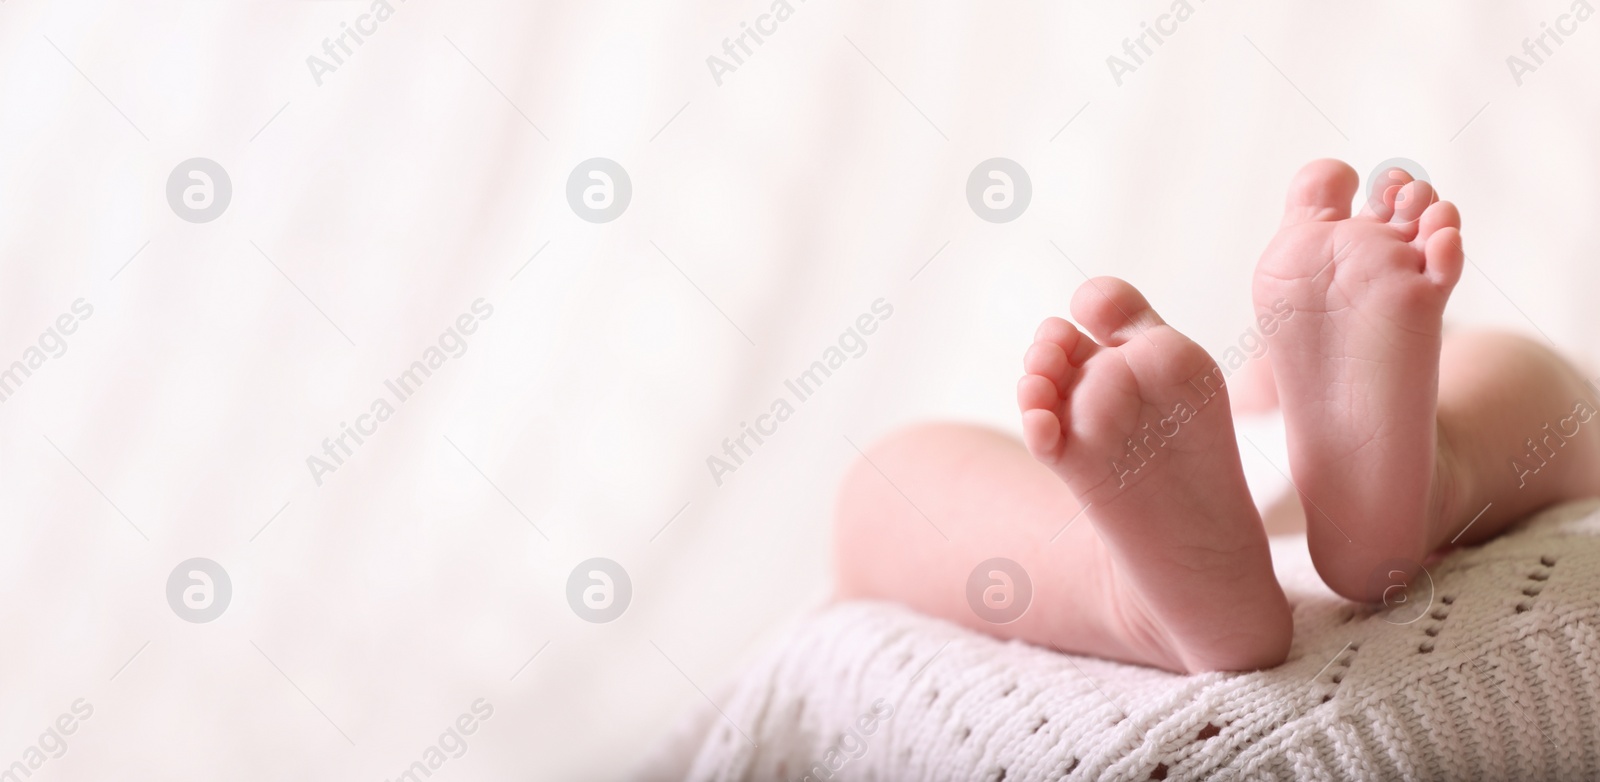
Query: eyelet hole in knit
1208, 732
1009, 690
1340, 666
1042, 722
1432, 629
1538, 577
1159, 772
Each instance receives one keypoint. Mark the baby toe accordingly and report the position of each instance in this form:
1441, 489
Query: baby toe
1382, 190
1320, 191
1112, 310
1048, 359
1441, 214
1036, 392
1444, 257
1411, 201
1068, 337
1041, 431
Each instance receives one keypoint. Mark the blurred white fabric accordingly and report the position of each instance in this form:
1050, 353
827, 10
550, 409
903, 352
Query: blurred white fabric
826, 172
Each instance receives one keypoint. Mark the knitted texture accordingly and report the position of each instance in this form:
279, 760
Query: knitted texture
1494, 675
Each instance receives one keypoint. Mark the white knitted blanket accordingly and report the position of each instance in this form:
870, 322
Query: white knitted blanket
1495, 675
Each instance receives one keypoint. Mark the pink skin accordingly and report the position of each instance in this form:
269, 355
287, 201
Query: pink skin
1168, 565
1401, 441
1394, 447
1136, 423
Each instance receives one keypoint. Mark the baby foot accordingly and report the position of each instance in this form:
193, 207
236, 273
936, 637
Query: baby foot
1357, 367
1139, 429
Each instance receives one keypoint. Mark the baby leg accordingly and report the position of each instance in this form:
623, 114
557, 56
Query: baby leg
1138, 534
1517, 432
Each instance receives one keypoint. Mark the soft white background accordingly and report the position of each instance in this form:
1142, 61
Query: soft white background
792, 196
